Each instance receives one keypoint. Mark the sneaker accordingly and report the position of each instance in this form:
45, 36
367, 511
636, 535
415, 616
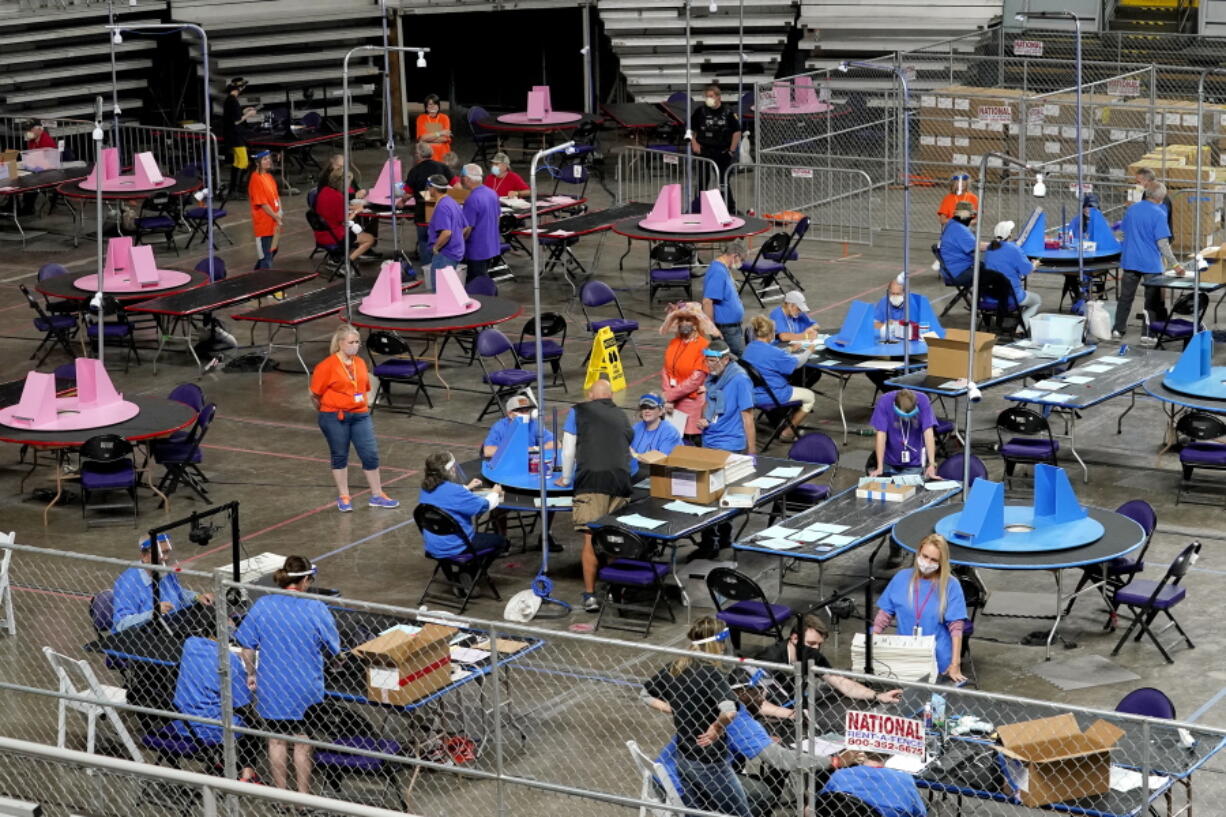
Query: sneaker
384, 501
1115, 335
590, 604
343, 504
554, 547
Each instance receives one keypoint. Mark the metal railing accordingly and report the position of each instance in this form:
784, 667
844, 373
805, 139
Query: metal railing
838, 201
641, 172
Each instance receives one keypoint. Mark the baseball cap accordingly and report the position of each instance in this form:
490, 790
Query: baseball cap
519, 401
1090, 200
964, 207
500, 158
798, 298
717, 348
651, 401
1003, 229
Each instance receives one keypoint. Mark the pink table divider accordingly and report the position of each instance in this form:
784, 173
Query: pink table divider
95, 405
387, 298
146, 176
390, 174
144, 268
666, 215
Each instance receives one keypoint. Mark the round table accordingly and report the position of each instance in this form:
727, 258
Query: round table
491, 123
158, 417
1120, 537
629, 227
1064, 262
63, 286
181, 187
493, 311
1174, 402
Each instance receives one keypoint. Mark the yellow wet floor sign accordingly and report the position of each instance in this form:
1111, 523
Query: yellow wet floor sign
605, 360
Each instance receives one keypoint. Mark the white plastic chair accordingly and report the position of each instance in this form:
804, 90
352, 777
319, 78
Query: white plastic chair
7, 620
655, 780
77, 678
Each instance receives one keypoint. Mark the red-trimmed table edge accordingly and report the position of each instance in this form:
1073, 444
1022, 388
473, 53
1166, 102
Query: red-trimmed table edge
71, 293
317, 139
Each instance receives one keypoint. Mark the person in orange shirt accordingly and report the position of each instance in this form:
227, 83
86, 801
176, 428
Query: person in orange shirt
266, 214
684, 373
959, 191
340, 391
434, 128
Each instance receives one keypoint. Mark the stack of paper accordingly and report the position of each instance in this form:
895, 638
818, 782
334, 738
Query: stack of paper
635, 520
737, 466
679, 506
1114, 360
1010, 353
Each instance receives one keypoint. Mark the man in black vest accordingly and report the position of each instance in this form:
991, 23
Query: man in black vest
596, 451
716, 135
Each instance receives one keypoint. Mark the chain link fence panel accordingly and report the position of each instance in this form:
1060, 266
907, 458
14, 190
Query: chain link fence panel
837, 202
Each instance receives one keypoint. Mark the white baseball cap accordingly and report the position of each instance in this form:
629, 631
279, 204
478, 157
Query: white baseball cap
798, 298
1004, 229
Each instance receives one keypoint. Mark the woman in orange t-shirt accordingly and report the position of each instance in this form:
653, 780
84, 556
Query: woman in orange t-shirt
340, 390
959, 191
684, 375
434, 128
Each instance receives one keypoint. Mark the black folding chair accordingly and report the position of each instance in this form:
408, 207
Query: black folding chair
471, 562
776, 415
57, 329
998, 306
398, 366
962, 292
630, 570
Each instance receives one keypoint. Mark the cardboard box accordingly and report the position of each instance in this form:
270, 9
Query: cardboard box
458, 193
1215, 257
739, 496
947, 356
884, 492
405, 668
692, 474
1051, 760
9, 161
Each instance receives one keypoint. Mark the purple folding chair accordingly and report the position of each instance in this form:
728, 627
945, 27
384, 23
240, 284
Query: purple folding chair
813, 447
106, 468
1147, 701
398, 366
58, 330
1201, 429
502, 383
1118, 572
750, 611
1034, 443
953, 467
1146, 600
630, 569
597, 293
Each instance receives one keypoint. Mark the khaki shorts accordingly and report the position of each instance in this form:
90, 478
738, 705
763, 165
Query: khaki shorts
587, 508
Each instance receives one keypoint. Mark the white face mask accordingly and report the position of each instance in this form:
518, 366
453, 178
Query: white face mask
712, 102
925, 566
496, 170
895, 300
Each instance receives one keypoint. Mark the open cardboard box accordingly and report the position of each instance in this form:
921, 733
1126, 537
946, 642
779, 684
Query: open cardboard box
885, 492
405, 668
9, 160
947, 355
1216, 272
1051, 760
693, 474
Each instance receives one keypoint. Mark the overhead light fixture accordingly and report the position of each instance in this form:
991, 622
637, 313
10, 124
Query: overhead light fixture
1040, 189
421, 59
117, 38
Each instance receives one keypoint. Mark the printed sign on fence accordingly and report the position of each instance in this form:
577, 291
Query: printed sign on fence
889, 734
670, 160
1035, 114
1123, 87
995, 113
1028, 48
802, 173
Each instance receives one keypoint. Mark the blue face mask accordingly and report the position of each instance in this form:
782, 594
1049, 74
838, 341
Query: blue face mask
906, 414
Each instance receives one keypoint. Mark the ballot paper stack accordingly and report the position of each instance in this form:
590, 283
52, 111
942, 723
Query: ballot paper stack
737, 467
905, 657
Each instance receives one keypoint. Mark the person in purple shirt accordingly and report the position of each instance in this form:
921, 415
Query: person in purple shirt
905, 442
446, 233
482, 212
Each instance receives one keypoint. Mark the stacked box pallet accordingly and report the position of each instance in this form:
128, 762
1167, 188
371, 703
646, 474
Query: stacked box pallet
959, 124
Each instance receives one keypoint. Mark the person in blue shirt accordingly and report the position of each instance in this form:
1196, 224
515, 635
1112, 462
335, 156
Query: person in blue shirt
890, 792
1006, 257
291, 635
198, 692
651, 433
726, 424
957, 245
519, 409
440, 489
776, 367
926, 599
133, 589
1146, 251
892, 309
720, 299
792, 321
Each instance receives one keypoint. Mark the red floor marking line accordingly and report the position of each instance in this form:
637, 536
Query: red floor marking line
855, 297
58, 593
292, 519
281, 455
297, 427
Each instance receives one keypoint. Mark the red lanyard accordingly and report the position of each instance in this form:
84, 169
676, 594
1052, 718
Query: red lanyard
919, 608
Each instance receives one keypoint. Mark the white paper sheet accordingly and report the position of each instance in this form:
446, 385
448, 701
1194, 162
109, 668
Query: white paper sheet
635, 520
1095, 369
689, 507
1057, 398
1115, 359
777, 544
765, 483
1050, 385
1077, 380
837, 541
886, 365
775, 532
1028, 394
1126, 779
953, 384
826, 527
467, 655
998, 363
808, 536
942, 485
786, 472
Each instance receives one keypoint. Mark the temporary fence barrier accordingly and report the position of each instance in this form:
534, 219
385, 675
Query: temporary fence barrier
641, 172
838, 202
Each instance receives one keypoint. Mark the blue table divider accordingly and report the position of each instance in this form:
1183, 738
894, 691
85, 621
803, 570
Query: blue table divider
1194, 373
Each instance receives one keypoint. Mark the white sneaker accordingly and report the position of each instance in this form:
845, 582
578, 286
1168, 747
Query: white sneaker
1115, 335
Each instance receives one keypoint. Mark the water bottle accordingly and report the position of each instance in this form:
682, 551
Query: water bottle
534, 460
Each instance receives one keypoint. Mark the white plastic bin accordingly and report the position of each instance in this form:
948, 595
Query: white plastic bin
1057, 329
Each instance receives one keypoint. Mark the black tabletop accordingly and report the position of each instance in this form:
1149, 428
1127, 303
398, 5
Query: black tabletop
493, 310
1121, 379
181, 187
922, 381
629, 227
232, 290
1059, 258
10, 392
158, 417
45, 178
1091, 267
636, 114
591, 222
679, 525
1179, 282
64, 286
1156, 388
313, 305
1120, 536
492, 123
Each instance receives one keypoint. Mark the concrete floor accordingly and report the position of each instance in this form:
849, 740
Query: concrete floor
266, 451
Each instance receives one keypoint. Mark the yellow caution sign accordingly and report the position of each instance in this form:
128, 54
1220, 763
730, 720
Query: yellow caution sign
605, 361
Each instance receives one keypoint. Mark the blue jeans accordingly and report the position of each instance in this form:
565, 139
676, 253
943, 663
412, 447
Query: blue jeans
712, 786
355, 428
734, 336
266, 252
425, 253
437, 263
